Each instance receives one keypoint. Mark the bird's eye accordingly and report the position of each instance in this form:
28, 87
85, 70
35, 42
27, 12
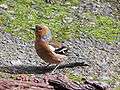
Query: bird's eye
38, 27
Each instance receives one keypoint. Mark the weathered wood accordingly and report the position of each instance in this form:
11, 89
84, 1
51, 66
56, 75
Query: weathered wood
49, 82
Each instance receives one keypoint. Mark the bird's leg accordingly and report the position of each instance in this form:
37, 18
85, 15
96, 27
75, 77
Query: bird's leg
47, 65
55, 68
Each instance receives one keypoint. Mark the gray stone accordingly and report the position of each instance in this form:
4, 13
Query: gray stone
3, 6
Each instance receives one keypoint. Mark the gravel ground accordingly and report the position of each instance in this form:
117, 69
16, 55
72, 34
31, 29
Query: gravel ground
106, 8
103, 58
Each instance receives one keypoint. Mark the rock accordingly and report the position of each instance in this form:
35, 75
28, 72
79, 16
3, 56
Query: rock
3, 6
67, 20
16, 62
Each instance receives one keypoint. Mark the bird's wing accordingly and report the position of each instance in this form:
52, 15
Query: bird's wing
51, 48
54, 43
60, 56
60, 52
63, 50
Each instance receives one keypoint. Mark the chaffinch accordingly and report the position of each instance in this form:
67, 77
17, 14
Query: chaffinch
45, 51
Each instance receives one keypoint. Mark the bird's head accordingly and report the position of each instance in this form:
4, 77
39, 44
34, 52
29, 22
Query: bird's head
43, 32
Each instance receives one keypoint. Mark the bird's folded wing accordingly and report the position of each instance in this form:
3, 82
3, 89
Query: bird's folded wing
54, 43
60, 57
51, 48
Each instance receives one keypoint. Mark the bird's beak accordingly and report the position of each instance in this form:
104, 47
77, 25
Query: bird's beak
32, 28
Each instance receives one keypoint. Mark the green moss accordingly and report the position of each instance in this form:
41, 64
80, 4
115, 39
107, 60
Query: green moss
106, 29
73, 77
24, 14
27, 13
101, 27
74, 2
116, 88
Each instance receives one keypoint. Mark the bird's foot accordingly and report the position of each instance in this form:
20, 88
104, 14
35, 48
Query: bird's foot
55, 68
47, 65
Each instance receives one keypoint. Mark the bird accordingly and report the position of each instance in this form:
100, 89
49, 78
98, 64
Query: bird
45, 50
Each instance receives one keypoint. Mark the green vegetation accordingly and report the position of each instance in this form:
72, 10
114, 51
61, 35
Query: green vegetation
105, 28
24, 14
73, 77
117, 88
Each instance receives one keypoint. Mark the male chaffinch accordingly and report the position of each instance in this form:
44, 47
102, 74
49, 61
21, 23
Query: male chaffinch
46, 51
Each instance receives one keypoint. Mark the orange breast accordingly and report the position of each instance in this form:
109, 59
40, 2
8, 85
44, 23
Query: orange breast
45, 53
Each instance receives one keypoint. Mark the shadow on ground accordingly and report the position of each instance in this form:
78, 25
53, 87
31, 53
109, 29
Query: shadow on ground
37, 69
